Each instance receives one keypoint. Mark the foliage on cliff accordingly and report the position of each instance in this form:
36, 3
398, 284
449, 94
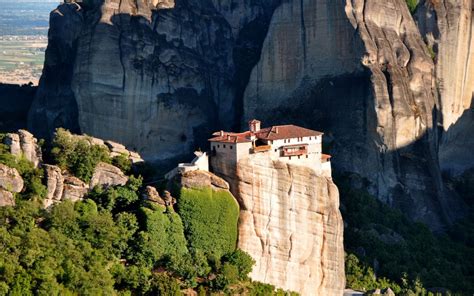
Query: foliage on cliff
116, 243
31, 176
408, 254
210, 220
77, 155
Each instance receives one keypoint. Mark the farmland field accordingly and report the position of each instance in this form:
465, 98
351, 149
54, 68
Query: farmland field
23, 40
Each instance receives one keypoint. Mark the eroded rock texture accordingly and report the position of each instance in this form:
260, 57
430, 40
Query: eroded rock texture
158, 80
10, 183
24, 144
62, 187
360, 71
290, 224
106, 175
447, 27
159, 76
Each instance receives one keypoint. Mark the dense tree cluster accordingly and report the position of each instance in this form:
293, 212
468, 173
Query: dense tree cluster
398, 253
114, 242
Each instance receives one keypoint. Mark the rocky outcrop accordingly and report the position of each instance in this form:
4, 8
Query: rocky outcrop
289, 223
200, 179
107, 175
152, 195
10, 182
6, 198
10, 179
24, 144
61, 188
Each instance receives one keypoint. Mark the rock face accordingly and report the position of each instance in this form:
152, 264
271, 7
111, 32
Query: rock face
166, 77
23, 143
10, 182
10, 179
159, 76
61, 188
15, 102
447, 27
107, 175
370, 85
290, 224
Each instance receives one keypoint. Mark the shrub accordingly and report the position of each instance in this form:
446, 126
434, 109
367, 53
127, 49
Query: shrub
122, 162
210, 220
412, 5
77, 155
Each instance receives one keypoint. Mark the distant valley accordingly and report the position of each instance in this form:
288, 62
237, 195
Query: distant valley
23, 40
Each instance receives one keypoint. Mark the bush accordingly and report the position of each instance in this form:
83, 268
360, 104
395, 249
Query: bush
412, 5
77, 155
122, 162
210, 220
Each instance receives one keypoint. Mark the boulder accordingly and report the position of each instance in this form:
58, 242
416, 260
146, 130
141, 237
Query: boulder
107, 175
62, 187
74, 189
23, 143
10, 179
54, 184
6, 198
197, 179
152, 195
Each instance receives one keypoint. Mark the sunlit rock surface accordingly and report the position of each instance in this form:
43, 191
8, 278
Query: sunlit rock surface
289, 223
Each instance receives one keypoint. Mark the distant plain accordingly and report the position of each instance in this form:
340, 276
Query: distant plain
23, 40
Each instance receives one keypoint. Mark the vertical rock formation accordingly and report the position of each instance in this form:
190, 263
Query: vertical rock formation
24, 144
360, 71
166, 77
289, 223
61, 188
10, 183
448, 27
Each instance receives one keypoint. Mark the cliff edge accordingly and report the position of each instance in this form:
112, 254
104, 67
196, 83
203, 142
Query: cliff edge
289, 223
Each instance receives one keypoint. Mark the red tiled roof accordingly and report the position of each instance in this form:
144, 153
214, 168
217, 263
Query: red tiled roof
231, 137
285, 132
278, 132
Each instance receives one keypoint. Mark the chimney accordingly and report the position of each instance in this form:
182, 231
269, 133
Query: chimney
228, 137
254, 125
221, 133
276, 129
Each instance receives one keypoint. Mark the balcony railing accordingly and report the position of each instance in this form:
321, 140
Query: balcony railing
295, 150
263, 148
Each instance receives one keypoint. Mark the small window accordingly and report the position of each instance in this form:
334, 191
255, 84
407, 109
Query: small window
224, 146
231, 147
218, 146
290, 157
276, 150
306, 156
299, 157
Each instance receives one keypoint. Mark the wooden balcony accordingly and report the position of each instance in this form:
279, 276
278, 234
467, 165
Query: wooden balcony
263, 148
295, 150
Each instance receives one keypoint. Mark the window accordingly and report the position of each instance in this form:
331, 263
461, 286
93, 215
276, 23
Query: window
224, 145
299, 157
276, 150
306, 155
231, 147
218, 146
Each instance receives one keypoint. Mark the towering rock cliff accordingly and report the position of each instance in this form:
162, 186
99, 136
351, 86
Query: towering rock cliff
392, 92
360, 71
289, 223
448, 27
166, 77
